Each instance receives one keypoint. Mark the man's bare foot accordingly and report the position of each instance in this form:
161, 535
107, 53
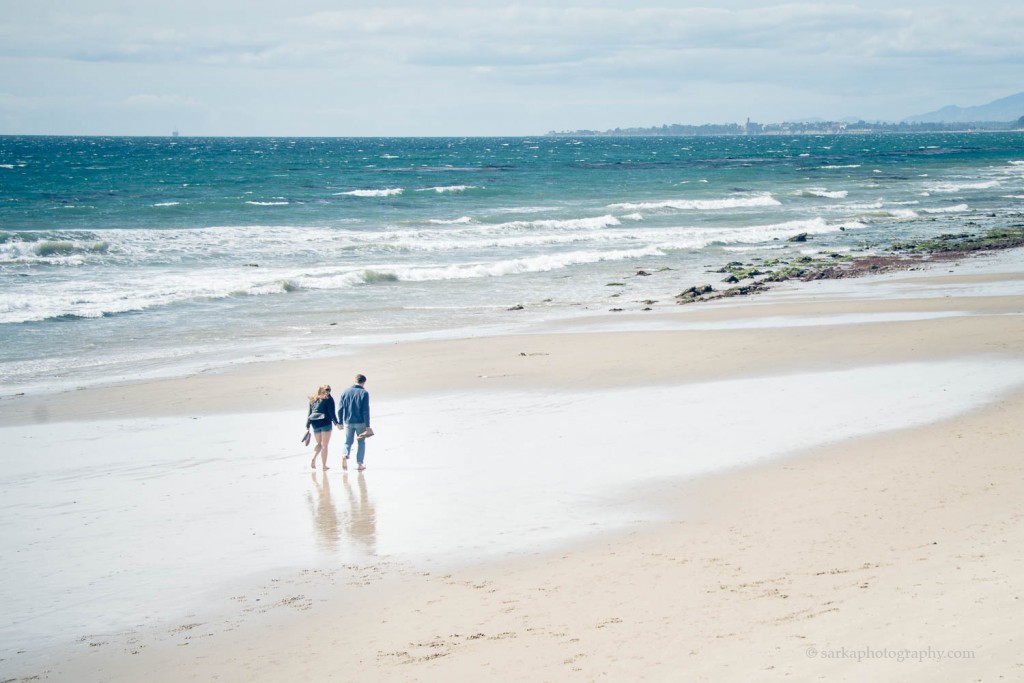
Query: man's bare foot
360, 468
326, 468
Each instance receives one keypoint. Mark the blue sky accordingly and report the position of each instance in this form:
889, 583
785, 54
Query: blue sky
310, 67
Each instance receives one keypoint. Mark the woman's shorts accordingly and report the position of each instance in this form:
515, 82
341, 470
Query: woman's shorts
322, 428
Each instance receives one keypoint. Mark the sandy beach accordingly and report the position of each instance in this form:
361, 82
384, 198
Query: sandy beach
822, 482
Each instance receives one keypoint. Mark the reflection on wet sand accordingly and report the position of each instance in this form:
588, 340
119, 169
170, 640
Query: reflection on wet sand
325, 515
362, 521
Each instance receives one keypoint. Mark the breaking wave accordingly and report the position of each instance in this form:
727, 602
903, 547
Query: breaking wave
760, 199
387, 192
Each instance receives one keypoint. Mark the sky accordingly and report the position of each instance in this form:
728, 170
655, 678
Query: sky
405, 68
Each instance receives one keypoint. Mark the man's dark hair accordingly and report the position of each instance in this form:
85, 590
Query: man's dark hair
360, 379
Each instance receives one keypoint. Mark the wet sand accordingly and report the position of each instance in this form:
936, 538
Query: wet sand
715, 497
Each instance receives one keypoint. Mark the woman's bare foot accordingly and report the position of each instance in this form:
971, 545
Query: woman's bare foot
312, 463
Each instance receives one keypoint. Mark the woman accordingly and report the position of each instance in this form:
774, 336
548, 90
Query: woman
322, 418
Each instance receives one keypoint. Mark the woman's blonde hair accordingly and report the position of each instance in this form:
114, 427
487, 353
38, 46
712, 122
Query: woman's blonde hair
321, 392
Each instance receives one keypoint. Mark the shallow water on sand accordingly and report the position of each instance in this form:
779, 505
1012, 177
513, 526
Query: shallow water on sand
109, 526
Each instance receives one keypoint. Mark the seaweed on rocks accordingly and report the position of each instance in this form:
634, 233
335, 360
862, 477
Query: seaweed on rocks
906, 255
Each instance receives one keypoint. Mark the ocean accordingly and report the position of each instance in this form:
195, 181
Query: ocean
130, 258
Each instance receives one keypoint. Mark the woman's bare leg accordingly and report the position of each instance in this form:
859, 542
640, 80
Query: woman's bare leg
323, 443
316, 451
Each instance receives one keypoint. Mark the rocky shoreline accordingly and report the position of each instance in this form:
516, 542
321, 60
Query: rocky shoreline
910, 255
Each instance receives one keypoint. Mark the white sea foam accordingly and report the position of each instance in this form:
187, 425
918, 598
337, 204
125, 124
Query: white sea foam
562, 224
490, 238
387, 192
268, 203
959, 187
466, 240
129, 292
11, 166
167, 204
448, 188
823, 193
1017, 163
947, 209
533, 264
525, 209
697, 238
834, 166
495, 234
455, 221
759, 199
634, 217
886, 210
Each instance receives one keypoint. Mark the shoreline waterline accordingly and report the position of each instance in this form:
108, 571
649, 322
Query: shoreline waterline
210, 253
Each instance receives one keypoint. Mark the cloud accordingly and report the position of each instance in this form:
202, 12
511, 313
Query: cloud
517, 35
520, 41
468, 63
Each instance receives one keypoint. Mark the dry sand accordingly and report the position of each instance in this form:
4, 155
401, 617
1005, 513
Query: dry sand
887, 559
892, 557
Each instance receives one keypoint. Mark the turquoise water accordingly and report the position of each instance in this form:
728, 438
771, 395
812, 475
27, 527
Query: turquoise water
134, 257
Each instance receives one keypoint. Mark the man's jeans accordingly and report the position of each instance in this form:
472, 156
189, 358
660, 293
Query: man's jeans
351, 429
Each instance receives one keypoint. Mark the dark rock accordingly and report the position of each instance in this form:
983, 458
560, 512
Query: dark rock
693, 294
802, 237
744, 290
517, 307
642, 273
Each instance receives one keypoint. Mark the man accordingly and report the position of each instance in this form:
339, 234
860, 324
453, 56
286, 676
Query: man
354, 413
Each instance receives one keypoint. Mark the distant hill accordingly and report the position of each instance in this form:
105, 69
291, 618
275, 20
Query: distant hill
1003, 114
1006, 109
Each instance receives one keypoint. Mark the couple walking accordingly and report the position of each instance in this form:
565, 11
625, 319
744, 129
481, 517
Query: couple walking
353, 414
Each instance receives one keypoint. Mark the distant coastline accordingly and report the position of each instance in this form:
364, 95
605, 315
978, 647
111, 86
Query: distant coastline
800, 128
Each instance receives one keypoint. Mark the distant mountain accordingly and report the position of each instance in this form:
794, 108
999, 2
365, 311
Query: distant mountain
1006, 109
